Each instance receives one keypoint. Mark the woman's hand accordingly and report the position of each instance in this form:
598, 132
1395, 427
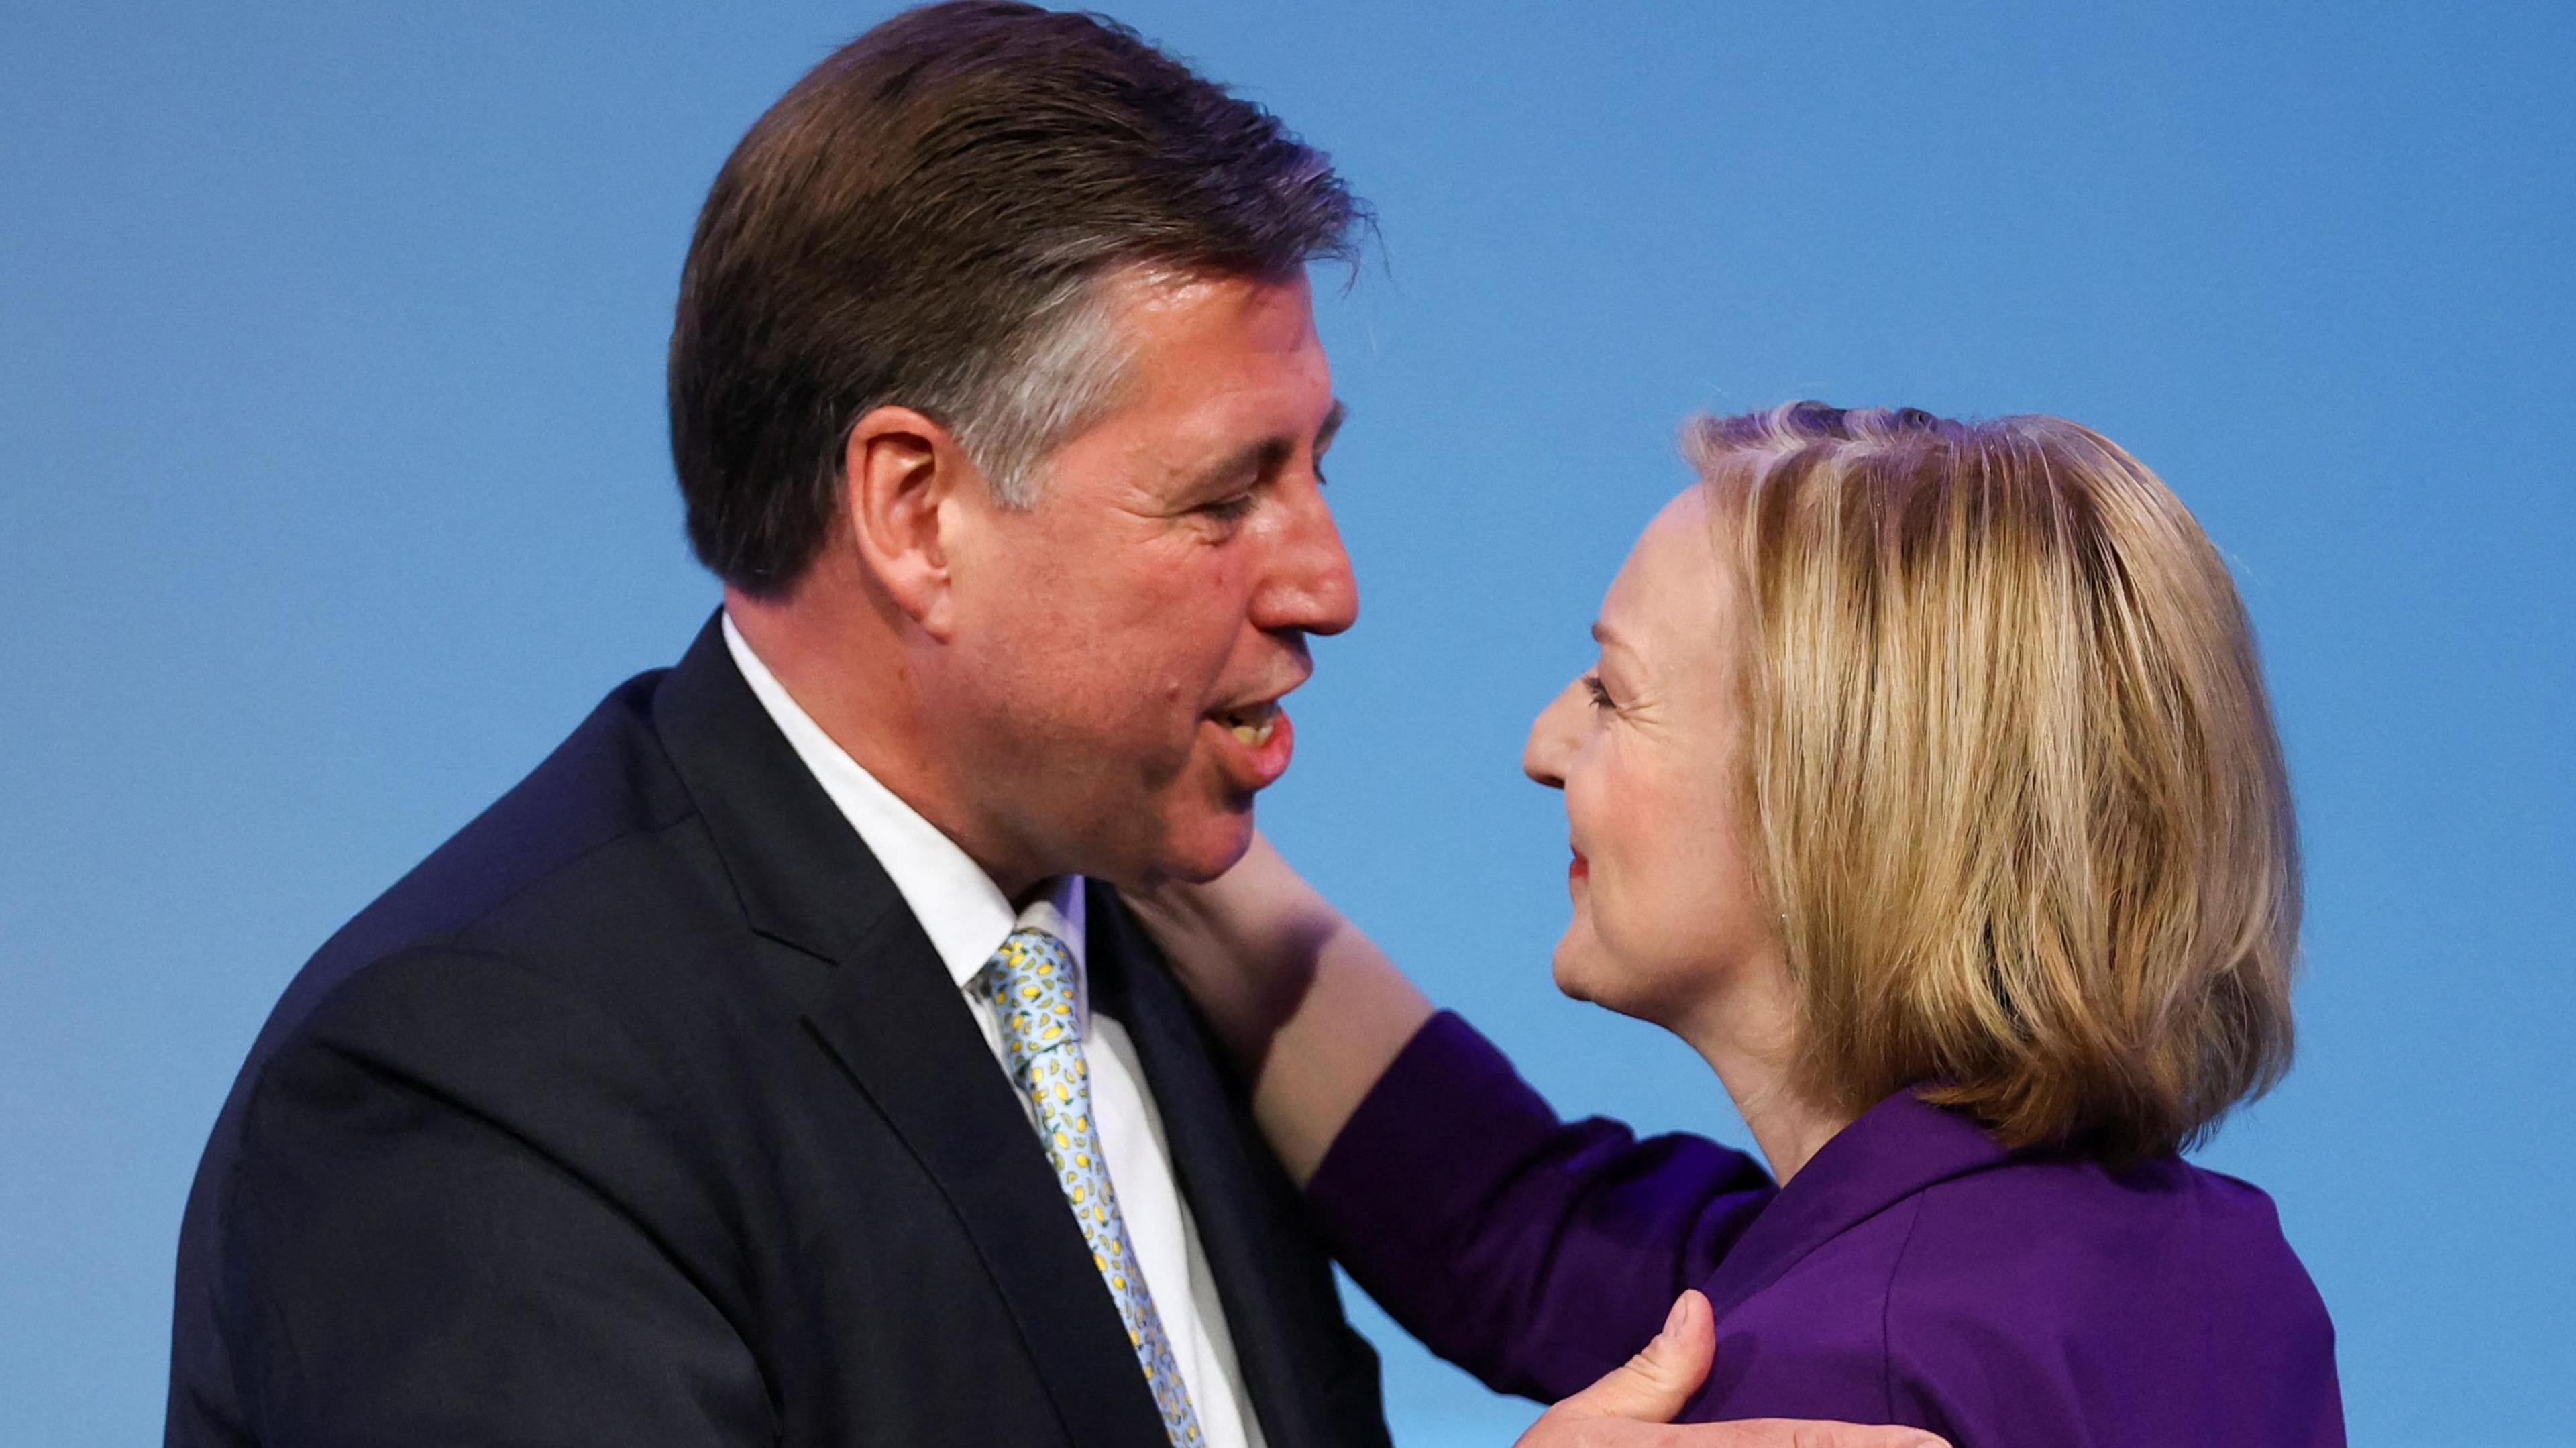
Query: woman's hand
1312, 1011
1315, 1013
1633, 1405
1246, 945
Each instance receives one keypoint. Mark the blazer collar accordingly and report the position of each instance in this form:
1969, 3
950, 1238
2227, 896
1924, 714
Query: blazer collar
1896, 1148
799, 869
894, 1020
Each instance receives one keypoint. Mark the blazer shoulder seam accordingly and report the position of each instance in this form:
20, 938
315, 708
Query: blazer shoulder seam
450, 942
454, 933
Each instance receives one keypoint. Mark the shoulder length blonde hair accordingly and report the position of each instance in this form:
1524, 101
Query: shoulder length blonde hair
2012, 777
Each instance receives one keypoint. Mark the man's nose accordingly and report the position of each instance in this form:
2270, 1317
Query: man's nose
1551, 738
1311, 587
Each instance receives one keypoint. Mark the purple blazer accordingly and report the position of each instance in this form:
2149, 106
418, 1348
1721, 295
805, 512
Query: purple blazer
1912, 1273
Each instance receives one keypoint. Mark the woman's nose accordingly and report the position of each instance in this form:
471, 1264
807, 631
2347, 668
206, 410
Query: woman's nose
1551, 738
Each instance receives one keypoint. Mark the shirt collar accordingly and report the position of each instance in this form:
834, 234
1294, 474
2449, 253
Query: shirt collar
965, 914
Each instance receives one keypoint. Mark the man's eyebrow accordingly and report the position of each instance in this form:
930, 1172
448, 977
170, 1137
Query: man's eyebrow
1332, 425
1266, 456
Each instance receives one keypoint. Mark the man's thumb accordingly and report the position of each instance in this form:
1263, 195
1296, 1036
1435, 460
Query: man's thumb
1652, 1386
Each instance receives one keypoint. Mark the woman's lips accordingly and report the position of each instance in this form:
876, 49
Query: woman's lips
1579, 870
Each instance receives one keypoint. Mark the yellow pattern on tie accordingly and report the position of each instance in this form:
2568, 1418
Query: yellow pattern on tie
1030, 983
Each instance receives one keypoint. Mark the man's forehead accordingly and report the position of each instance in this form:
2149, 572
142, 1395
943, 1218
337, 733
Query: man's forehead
1225, 376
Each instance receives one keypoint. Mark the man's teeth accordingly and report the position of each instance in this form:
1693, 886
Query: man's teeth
1253, 726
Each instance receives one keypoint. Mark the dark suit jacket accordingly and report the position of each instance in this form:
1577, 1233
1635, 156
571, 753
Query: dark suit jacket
642, 1112
1912, 1272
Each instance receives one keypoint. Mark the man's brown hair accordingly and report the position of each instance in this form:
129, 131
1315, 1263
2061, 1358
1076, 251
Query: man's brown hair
927, 219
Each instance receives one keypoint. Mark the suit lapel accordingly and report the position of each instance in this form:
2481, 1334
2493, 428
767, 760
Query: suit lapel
1245, 1208
894, 1021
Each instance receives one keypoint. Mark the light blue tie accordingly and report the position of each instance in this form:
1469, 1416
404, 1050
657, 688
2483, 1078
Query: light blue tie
1030, 983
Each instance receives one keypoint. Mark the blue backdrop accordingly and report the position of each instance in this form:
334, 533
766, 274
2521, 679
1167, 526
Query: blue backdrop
332, 492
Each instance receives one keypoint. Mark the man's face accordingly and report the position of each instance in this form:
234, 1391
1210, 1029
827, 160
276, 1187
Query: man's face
1121, 647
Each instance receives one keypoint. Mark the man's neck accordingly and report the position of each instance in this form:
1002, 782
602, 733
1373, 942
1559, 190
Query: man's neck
843, 662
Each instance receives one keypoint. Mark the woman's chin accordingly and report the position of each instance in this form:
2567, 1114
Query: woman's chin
1587, 973
1577, 967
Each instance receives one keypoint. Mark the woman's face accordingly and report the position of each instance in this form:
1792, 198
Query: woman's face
1668, 911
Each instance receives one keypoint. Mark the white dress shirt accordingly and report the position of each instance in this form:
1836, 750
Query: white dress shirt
967, 918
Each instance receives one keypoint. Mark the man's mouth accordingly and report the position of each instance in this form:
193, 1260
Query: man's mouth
1251, 723
1262, 739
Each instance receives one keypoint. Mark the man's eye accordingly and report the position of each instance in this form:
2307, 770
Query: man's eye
1227, 510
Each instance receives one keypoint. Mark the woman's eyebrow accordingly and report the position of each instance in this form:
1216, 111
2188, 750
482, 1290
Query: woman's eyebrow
1610, 641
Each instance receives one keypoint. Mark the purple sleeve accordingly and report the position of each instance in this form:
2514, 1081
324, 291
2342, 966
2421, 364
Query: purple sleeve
1535, 1253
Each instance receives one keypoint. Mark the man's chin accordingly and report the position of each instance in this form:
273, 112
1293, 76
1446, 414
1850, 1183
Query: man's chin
1218, 852
1196, 853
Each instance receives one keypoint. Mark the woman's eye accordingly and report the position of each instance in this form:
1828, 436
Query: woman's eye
1600, 695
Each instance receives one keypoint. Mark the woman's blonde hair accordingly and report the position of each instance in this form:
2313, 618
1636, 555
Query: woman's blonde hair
2012, 778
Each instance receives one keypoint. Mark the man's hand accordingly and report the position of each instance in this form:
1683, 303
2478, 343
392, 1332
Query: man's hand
1633, 1406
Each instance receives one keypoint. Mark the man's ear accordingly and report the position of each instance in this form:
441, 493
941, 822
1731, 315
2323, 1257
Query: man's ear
903, 476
